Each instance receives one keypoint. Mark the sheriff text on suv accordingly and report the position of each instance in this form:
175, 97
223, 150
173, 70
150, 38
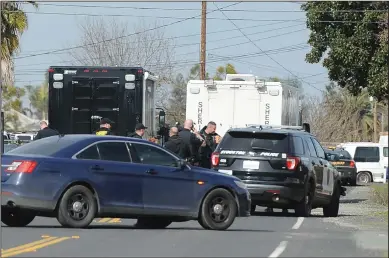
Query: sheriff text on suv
283, 167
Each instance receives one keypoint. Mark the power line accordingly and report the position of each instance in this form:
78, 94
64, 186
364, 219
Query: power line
216, 48
286, 49
248, 55
241, 31
132, 34
208, 33
182, 18
198, 9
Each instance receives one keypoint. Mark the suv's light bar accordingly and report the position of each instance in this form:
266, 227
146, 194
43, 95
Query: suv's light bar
305, 127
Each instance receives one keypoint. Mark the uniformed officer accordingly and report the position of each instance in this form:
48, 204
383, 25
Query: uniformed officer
105, 127
139, 131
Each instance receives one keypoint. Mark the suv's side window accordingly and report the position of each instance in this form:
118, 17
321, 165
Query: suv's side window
298, 147
147, 154
367, 154
89, 153
310, 146
114, 151
319, 150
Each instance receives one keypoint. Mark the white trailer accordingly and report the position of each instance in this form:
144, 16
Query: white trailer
240, 100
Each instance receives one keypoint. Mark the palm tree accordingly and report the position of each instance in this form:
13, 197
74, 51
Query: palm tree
38, 96
13, 24
221, 72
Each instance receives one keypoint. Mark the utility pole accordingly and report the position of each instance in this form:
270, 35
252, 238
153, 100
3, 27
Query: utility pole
203, 39
374, 120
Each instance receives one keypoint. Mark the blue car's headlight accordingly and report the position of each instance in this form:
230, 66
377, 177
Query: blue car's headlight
241, 184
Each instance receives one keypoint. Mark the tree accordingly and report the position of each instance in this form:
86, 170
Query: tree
177, 107
11, 101
13, 23
194, 73
222, 71
340, 116
109, 43
349, 33
38, 97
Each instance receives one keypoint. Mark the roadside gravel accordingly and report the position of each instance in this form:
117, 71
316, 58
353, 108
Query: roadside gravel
367, 220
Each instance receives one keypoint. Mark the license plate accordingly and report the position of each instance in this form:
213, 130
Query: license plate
225, 171
249, 164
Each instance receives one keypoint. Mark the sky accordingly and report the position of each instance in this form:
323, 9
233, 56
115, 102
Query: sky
276, 27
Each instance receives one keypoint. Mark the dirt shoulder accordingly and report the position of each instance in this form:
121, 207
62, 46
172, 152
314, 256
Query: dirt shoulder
361, 213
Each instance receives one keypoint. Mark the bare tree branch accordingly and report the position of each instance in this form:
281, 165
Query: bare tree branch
150, 49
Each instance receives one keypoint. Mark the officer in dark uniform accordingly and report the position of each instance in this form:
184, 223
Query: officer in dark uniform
139, 131
45, 131
105, 127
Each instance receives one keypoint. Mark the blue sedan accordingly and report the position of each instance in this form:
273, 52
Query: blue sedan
77, 178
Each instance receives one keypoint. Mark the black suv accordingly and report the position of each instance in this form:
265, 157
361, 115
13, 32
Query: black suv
283, 167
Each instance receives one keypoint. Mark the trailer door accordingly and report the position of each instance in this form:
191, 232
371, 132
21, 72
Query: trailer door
93, 99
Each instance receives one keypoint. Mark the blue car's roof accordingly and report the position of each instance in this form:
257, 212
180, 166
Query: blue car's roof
65, 145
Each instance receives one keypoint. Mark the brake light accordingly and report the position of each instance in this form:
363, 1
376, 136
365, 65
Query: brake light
215, 158
352, 164
51, 70
21, 166
86, 71
292, 163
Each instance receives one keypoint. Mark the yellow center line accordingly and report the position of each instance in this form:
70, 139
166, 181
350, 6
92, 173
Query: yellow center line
115, 220
104, 220
32, 247
20, 247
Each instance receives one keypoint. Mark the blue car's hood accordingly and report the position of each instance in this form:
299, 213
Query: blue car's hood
212, 173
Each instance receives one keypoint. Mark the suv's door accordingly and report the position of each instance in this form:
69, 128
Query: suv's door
367, 158
116, 182
167, 189
317, 169
327, 182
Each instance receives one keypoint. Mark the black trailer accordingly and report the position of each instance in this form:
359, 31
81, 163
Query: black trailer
79, 96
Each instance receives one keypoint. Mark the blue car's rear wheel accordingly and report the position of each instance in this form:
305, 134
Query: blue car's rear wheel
77, 207
218, 210
15, 217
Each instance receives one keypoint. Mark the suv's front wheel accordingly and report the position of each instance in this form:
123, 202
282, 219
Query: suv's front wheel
304, 207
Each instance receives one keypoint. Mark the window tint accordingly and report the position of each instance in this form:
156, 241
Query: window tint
245, 141
298, 147
311, 148
319, 150
367, 154
89, 153
385, 151
147, 154
47, 146
114, 151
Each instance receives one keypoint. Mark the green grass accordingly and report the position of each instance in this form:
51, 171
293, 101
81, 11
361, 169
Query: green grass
379, 194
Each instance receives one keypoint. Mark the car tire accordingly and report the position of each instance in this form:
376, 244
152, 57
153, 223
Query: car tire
363, 178
15, 217
152, 223
332, 210
218, 210
304, 207
252, 209
77, 207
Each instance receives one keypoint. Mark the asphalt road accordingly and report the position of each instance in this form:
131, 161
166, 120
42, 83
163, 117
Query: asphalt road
262, 235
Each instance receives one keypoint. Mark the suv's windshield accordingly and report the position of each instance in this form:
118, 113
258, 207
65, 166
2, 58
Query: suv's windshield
247, 141
343, 154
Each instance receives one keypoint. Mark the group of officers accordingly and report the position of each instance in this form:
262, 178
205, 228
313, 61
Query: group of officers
196, 147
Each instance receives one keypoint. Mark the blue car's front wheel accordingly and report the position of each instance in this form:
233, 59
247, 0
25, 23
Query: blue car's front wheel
218, 210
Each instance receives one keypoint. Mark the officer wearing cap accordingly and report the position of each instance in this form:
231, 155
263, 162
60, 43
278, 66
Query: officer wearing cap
139, 131
105, 127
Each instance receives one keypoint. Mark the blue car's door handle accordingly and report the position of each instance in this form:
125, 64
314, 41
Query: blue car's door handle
97, 168
151, 172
